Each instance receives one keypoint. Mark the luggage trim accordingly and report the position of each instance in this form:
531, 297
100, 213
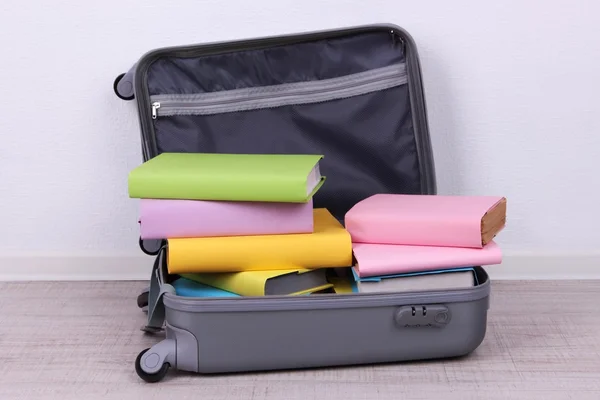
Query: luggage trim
327, 301
279, 95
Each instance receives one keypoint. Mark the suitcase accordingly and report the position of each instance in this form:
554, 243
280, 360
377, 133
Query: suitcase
354, 95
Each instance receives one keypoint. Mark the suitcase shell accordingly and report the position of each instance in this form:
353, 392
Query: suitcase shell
217, 335
354, 95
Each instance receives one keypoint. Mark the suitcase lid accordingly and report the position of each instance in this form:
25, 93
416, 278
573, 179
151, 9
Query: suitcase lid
354, 95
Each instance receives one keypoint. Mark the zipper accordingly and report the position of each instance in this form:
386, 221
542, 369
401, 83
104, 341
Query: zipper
278, 95
397, 39
155, 107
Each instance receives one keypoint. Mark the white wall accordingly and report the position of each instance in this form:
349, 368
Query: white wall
512, 89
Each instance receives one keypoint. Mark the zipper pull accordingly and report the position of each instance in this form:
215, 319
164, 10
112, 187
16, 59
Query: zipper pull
396, 39
155, 107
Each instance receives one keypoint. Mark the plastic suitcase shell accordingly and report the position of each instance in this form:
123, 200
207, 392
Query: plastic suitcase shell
353, 94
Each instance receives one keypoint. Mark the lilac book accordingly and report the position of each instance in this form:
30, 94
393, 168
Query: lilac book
163, 219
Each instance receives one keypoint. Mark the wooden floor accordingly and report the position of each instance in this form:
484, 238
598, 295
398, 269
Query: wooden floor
79, 341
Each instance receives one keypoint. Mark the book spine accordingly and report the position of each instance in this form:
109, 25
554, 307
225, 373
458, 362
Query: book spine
254, 253
161, 219
288, 191
414, 231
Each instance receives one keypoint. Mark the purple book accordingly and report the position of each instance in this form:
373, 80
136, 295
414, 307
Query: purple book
163, 219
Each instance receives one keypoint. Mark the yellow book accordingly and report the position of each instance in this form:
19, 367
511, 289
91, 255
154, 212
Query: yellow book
330, 245
266, 283
343, 285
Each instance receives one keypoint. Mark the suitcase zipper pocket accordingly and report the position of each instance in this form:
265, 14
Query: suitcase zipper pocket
278, 95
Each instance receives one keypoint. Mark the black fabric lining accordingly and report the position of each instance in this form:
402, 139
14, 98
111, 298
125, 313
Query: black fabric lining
283, 64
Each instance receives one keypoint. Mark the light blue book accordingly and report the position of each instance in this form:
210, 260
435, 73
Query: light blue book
443, 279
188, 288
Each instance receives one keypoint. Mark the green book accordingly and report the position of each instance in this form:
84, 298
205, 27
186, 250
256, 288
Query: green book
291, 178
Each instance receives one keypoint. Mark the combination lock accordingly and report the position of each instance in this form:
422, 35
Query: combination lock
423, 316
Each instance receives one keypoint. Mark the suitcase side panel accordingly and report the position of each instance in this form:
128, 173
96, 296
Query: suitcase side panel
271, 340
326, 330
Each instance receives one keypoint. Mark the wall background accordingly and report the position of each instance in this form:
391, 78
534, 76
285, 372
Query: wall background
512, 91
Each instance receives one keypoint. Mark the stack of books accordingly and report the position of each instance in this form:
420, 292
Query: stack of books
240, 224
423, 242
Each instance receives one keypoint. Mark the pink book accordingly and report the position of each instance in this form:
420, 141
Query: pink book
427, 220
388, 259
162, 219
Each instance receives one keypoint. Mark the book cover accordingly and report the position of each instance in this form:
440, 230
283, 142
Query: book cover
328, 246
161, 219
427, 220
343, 285
188, 288
388, 259
292, 178
266, 283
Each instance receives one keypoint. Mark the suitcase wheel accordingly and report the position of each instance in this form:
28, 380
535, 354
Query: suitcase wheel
116, 88
150, 377
150, 247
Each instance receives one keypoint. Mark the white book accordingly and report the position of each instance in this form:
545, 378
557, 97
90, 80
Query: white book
419, 283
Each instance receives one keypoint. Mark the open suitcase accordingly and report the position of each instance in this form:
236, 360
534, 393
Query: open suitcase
354, 95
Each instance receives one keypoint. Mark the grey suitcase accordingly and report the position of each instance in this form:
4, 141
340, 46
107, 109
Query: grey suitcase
354, 95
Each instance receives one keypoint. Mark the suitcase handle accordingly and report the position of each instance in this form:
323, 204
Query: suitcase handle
158, 287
